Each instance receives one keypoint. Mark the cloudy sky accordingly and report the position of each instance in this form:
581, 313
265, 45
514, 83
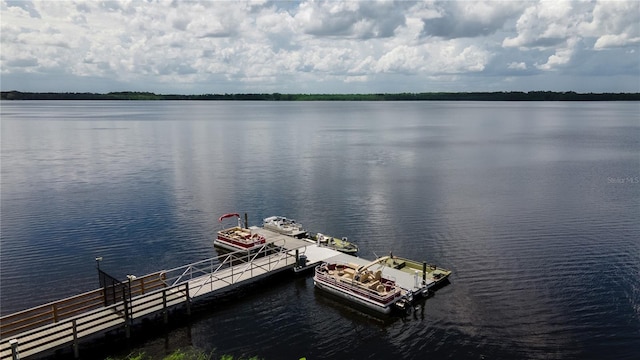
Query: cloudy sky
195, 47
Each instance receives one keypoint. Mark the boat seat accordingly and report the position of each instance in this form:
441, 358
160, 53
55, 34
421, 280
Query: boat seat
374, 285
364, 277
377, 275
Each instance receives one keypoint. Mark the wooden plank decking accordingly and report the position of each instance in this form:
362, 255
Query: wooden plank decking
67, 321
69, 331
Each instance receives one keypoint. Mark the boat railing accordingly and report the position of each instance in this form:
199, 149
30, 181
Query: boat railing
393, 290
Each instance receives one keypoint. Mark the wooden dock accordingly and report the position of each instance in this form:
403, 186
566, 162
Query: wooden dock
66, 322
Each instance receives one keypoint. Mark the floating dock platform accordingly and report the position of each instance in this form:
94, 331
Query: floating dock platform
316, 255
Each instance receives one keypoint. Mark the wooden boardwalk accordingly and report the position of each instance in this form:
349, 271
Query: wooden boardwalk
71, 330
67, 321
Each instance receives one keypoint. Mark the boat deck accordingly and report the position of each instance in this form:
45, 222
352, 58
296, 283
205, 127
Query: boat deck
403, 279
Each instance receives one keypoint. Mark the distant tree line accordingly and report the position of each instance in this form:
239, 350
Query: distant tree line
449, 96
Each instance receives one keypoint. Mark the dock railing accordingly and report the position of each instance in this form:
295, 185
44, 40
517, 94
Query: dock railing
56, 311
69, 330
65, 321
229, 269
50, 313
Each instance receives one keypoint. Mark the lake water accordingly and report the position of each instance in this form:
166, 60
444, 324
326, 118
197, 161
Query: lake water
533, 206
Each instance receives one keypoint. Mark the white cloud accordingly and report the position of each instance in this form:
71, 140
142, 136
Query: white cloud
546, 24
459, 19
351, 19
517, 66
614, 24
401, 59
561, 57
337, 46
609, 41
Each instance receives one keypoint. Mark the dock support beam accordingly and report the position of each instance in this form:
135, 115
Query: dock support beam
424, 272
246, 221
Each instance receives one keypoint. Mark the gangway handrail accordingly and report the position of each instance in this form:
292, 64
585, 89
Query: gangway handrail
283, 253
187, 271
251, 264
225, 269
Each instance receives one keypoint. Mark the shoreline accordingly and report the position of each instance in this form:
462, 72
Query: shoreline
426, 96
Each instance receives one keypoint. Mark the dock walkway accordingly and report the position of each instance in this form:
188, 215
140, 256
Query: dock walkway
67, 321
39, 329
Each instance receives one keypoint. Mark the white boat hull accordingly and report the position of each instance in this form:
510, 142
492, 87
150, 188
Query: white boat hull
355, 298
284, 226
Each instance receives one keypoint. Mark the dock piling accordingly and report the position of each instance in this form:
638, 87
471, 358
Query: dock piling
98, 259
188, 300
14, 349
165, 313
76, 350
127, 319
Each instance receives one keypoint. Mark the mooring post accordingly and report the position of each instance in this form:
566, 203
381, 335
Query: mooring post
98, 259
246, 221
76, 350
127, 319
424, 272
14, 349
55, 313
130, 278
164, 307
188, 300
